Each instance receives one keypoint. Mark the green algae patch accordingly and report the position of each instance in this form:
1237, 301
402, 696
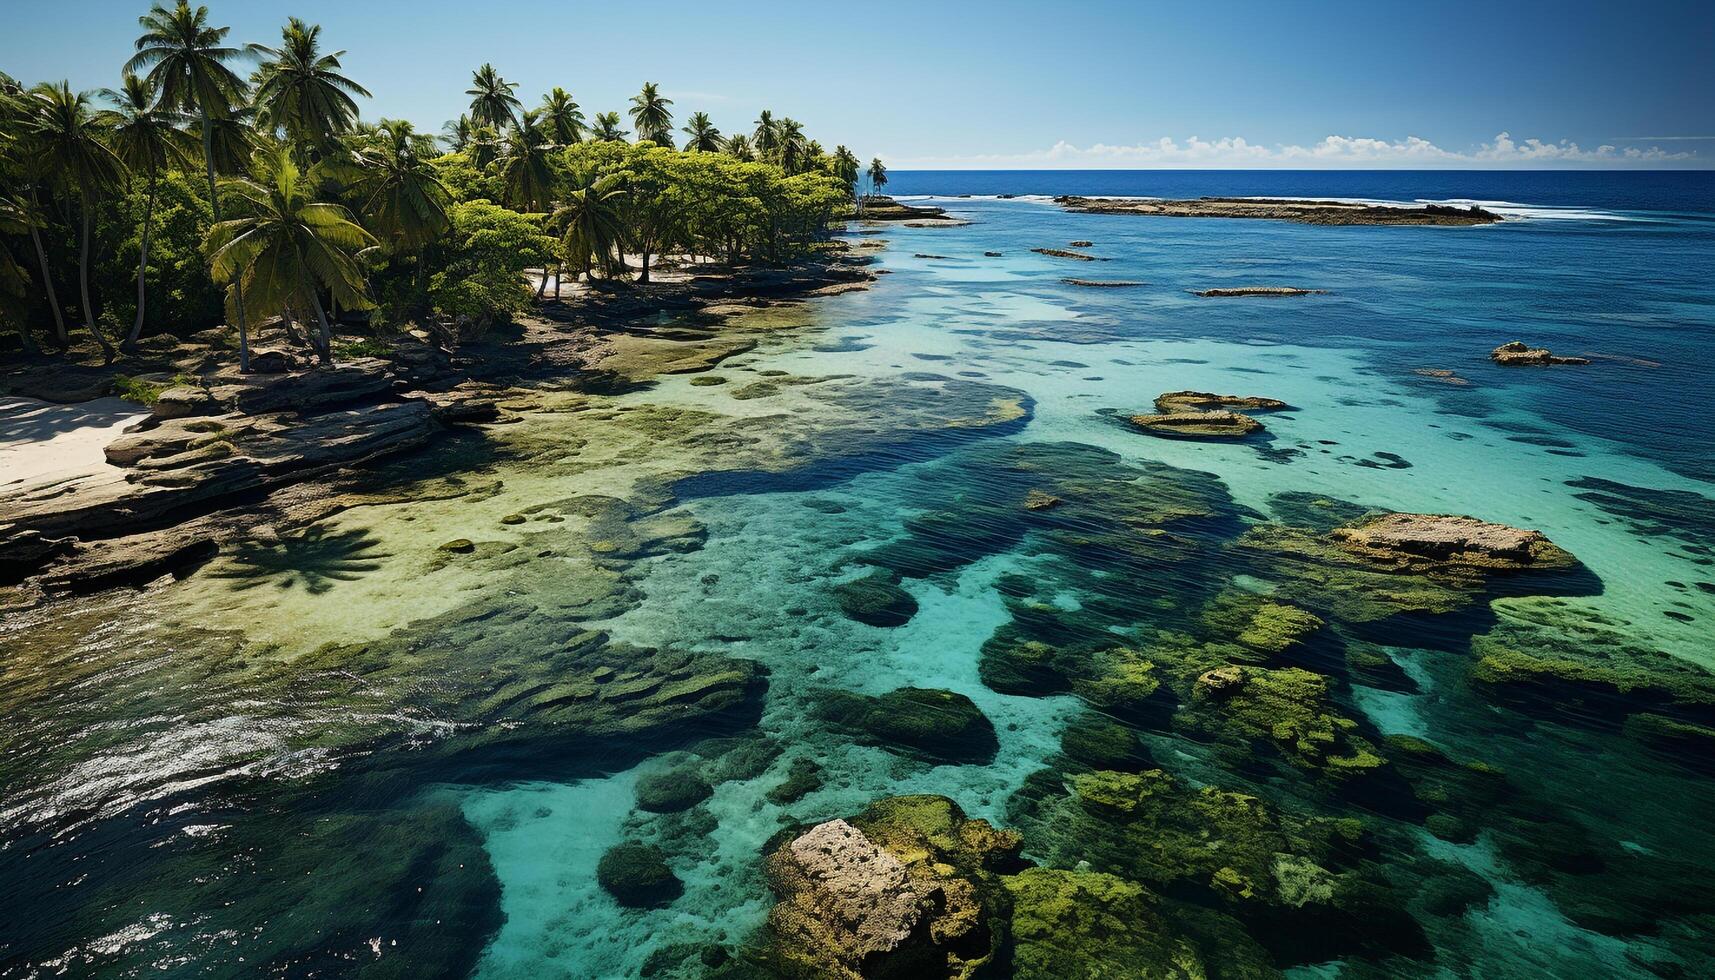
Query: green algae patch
1100, 743
1299, 885
1286, 708
1084, 923
637, 876
803, 777
756, 389
938, 725
707, 381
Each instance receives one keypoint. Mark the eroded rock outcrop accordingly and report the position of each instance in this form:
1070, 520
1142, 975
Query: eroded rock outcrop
907, 888
1422, 542
1519, 354
1198, 425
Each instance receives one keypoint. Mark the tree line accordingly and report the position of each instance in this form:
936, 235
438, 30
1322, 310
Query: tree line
194, 195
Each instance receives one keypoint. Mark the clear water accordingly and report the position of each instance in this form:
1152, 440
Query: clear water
195, 784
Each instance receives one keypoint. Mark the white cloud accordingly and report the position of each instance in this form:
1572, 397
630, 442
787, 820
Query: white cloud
1332, 152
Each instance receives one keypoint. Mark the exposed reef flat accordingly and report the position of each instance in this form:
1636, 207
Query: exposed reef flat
1256, 291
1104, 283
1197, 425
1061, 253
1304, 212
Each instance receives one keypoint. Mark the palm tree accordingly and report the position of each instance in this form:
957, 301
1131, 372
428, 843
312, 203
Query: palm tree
148, 138
66, 140
877, 175
606, 129
283, 249
491, 98
301, 91
767, 135
187, 63
649, 113
591, 221
793, 151
565, 121
456, 133
738, 147
525, 171
846, 168
704, 137
403, 197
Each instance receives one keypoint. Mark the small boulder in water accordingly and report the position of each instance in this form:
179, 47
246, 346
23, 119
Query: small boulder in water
876, 600
1518, 354
637, 876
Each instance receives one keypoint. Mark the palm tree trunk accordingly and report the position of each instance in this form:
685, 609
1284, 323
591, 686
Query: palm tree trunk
559, 271
322, 318
542, 287
214, 211
48, 279
130, 343
286, 326
83, 286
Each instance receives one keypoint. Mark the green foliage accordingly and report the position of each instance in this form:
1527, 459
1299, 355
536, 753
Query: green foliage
483, 260
182, 297
139, 390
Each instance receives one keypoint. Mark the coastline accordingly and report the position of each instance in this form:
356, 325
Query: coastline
120, 497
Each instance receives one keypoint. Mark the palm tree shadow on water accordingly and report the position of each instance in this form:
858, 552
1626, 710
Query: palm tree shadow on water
313, 561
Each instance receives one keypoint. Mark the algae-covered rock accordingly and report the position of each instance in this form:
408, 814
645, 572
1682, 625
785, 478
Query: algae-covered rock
1088, 924
940, 725
1253, 621
1300, 886
876, 600
1100, 743
802, 778
672, 791
1286, 708
637, 876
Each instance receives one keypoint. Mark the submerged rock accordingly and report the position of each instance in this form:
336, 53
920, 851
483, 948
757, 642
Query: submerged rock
637, 876
1104, 283
1061, 253
1089, 924
940, 725
672, 791
876, 599
1198, 425
1517, 353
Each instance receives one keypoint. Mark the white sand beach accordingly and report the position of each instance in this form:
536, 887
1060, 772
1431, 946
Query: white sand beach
43, 441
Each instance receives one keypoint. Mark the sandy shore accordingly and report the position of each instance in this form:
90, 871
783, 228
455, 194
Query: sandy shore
41, 441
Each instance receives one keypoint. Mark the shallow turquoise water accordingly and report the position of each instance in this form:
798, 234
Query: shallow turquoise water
1507, 446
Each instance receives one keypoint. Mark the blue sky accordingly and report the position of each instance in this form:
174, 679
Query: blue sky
1040, 84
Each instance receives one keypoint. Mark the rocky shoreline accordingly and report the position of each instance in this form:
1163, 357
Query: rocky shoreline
223, 454
1303, 212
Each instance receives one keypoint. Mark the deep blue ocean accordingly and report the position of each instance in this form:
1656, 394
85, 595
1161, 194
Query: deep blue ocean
1685, 192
